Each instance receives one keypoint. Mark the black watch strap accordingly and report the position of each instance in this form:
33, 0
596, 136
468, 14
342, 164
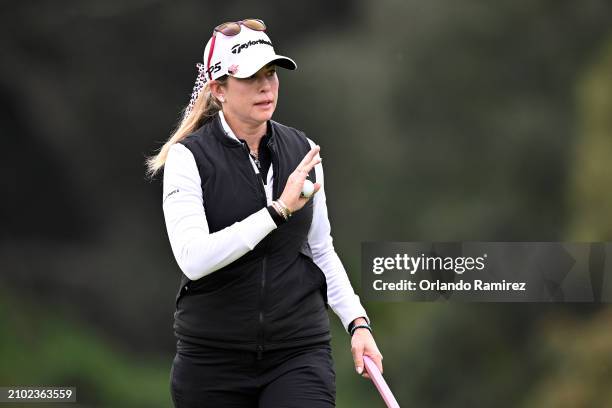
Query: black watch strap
360, 326
351, 327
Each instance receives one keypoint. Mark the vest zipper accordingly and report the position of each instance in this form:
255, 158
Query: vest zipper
258, 179
260, 332
260, 346
275, 186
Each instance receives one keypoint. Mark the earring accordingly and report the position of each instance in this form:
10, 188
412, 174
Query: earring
221, 98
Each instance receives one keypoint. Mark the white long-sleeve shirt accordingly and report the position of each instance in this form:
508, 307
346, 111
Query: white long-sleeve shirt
199, 252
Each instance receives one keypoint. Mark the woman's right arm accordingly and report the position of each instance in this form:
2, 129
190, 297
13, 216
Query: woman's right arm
197, 251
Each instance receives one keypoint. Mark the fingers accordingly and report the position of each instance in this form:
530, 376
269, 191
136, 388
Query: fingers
309, 156
362, 344
357, 351
292, 195
309, 161
377, 358
304, 170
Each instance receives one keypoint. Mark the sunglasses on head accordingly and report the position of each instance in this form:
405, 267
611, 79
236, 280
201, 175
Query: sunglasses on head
233, 27
230, 29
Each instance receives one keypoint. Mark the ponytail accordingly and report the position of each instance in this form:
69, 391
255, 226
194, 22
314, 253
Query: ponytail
200, 110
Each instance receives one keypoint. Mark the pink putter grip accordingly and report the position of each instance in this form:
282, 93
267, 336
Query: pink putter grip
380, 383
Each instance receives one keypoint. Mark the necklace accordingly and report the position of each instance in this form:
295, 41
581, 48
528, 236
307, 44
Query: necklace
254, 156
256, 160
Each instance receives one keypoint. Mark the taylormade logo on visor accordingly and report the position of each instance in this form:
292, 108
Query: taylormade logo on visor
239, 47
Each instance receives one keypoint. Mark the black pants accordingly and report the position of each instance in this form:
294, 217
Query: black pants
203, 376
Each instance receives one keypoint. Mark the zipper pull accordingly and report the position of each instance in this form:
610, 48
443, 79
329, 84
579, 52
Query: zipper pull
260, 349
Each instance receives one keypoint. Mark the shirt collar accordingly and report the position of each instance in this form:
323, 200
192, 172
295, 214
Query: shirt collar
229, 132
226, 128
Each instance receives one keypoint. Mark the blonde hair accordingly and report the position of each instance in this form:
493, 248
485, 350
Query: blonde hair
204, 108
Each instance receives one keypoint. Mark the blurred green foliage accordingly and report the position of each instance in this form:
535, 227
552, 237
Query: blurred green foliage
590, 194
580, 363
44, 346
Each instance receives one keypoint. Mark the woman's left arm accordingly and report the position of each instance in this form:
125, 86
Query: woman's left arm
340, 294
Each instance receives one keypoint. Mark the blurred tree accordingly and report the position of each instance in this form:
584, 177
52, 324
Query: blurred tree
578, 356
590, 195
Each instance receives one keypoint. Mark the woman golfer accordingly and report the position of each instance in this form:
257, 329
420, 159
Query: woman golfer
259, 267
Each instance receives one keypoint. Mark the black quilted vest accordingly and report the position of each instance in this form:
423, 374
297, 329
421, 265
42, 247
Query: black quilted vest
274, 296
